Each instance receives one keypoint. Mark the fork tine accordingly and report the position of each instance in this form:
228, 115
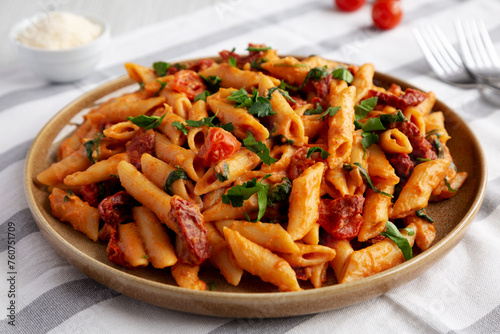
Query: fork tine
488, 44
445, 49
449, 48
429, 54
481, 50
441, 55
472, 42
464, 47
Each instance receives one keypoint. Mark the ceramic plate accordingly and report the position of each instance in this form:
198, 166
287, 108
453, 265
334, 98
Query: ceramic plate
252, 298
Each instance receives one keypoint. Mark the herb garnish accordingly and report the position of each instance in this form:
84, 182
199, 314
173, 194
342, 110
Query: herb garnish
439, 148
257, 105
259, 148
147, 122
232, 61
224, 175
282, 91
161, 68
68, 193
363, 109
257, 49
92, 146
324, 154
237, 194
369, 138
279, 192
393, 233
212, 82
422, 214
343, 73
207, 121
365, 175
175, 175
162, 85
448, 185
202, 96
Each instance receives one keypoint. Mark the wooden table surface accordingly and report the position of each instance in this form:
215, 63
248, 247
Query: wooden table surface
122, 15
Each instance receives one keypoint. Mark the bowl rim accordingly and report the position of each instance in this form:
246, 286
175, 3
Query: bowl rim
24, 22
378, 281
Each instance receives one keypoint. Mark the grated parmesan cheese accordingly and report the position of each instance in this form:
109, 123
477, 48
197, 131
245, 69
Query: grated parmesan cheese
59, 31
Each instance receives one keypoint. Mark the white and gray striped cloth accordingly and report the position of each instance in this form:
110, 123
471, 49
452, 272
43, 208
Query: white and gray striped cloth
461, 294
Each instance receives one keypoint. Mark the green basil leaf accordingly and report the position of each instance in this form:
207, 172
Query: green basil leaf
393, 233
161, 68
232, 61
258, 148
422, 214
369, 138
439, 148
283, 92
318, 110
177, 174
373, 124
363, 109
365, 175
324, 154
241, 97
257, 49
180, 126
331, 111
386, 119
343, 73
257, 63
162, 85
448, 185
202, 96
147, 122
212, 82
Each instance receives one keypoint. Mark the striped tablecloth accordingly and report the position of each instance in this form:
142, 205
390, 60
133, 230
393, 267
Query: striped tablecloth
461, 294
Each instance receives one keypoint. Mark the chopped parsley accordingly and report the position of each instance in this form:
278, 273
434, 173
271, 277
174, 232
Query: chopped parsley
147, 122
259, 148
92, 146
175, 175
207, 121
282, 91
68, 193
392, 118
232, 61
369, 138
257, 105
237, 194
279, 192
330, 111
161, 68
224, 175
393, 233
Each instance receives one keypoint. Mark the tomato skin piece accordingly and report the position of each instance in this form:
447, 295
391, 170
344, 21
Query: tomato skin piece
341, 217
349, 5
189, 82
387, 14
219, 145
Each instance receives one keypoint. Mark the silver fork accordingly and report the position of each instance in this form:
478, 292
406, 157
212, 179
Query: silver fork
478, 52
442, 57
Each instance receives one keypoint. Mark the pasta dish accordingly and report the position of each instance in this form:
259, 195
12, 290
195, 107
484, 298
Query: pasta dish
290, 170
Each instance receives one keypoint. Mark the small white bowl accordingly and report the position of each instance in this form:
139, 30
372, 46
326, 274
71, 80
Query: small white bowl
61, 65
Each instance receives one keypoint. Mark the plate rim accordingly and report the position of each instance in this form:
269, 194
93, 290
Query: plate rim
418, 264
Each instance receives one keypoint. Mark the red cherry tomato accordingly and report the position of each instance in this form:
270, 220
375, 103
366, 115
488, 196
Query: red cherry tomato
349, 5
387, 14
219, 145
188, 82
